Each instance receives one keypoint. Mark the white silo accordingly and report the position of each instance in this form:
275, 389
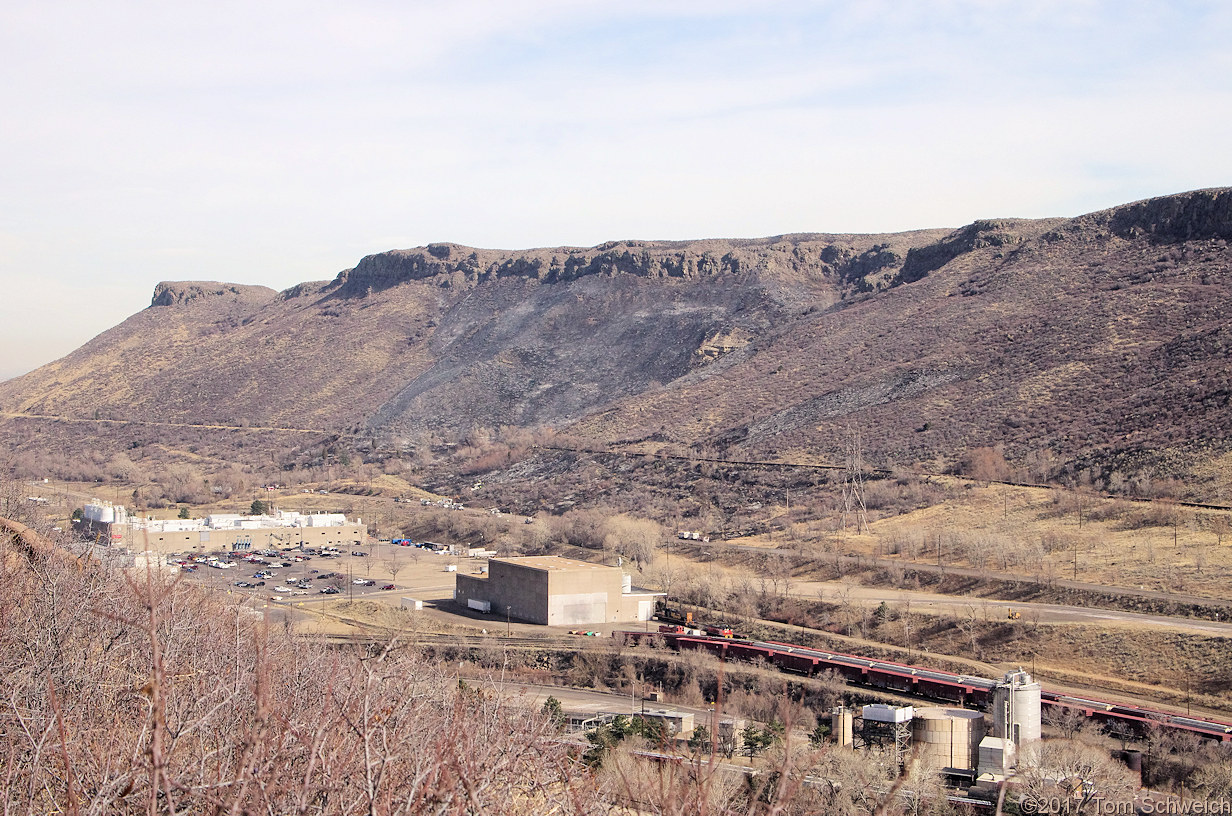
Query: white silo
1016, 708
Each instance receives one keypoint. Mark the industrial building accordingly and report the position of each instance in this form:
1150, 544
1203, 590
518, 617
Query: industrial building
555, 591
113, 526
950, 739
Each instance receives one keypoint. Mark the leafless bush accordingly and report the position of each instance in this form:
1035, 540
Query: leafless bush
148, 695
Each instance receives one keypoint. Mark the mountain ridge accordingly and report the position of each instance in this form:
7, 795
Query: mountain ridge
1061, 340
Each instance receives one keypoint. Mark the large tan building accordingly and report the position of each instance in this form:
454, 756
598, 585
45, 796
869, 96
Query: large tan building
555, 591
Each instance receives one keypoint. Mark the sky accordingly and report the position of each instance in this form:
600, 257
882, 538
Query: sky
278, 142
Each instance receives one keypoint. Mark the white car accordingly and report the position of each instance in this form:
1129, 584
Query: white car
359, 582
282, 589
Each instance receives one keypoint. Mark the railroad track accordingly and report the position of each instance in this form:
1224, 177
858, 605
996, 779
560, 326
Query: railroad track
439, 639
929, 683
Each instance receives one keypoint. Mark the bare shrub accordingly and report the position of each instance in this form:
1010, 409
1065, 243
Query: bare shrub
147, 695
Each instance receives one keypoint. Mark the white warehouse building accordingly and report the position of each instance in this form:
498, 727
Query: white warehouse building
112, 525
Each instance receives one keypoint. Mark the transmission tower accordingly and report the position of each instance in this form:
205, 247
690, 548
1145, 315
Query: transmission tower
853, 483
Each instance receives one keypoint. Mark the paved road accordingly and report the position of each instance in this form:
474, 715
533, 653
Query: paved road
997, 610
991, 609
861, 562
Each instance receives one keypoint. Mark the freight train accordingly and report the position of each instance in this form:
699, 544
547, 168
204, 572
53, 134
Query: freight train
932, 684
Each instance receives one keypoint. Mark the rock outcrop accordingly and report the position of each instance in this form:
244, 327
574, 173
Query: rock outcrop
178, 293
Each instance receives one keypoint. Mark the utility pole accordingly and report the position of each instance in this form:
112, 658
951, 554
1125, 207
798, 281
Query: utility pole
907, 620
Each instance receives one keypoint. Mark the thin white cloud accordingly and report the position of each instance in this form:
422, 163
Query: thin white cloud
278, 142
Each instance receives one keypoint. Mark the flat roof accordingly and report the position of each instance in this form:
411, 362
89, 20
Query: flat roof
552, 563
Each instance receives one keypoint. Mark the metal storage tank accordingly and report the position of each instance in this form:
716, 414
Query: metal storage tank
101, 513
948, 737
1016, 708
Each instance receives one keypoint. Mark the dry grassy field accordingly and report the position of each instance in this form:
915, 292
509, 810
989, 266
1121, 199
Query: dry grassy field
1043, 534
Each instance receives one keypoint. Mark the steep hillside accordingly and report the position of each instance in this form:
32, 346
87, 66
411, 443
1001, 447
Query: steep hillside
1099, 340
1101, 337
448, 336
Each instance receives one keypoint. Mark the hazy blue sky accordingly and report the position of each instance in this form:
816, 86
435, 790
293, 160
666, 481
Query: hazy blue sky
277, 142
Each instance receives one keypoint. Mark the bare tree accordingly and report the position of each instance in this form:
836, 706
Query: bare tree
393, 566
1069, 721
1084, 774
1214, 779
153, 696
634, 538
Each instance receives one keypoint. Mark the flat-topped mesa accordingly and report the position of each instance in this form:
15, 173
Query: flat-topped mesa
179, 293
807, 253
453, 265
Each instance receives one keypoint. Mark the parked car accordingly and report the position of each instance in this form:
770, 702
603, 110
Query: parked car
369, 583
388, 587
329, 590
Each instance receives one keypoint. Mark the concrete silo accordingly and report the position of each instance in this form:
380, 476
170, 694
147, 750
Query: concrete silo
1016, 709
947, 737
841, 719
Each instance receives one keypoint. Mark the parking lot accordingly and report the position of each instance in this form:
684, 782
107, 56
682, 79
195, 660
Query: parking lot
420, 574
292, 575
